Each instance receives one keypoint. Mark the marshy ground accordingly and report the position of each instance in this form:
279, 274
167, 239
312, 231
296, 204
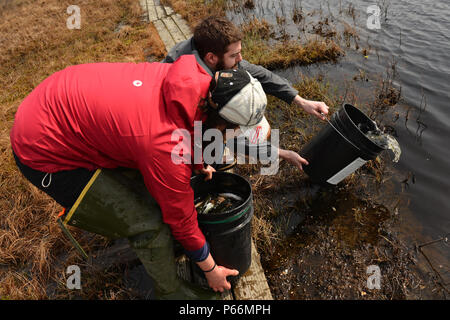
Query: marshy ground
314, 242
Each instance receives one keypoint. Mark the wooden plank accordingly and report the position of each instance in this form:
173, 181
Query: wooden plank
164, 34
176, 33
182, 25
160, 12
152, 16
253, 284
143, 4
168, 10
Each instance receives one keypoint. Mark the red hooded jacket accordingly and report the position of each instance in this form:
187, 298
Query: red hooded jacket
106, 115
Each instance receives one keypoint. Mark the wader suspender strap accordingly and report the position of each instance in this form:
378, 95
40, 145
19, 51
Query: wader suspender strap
72, 239
63, 224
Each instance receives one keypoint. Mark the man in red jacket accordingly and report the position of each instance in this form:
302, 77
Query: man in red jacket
84, 121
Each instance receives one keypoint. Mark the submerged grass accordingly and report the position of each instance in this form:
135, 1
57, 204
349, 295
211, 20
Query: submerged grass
289, 53
260, 43
194, 11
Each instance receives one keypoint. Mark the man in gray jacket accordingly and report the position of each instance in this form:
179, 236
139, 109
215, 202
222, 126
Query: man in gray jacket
216, 45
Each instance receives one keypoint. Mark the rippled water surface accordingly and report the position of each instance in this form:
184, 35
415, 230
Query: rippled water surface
416, 35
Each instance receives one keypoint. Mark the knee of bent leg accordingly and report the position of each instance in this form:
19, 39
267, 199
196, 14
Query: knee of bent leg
152, 239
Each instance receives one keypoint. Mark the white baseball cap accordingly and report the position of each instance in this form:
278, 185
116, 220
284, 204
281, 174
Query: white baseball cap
255, 134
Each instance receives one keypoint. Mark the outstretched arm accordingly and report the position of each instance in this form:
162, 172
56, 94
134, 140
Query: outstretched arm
282, 89
271, 82
314, 108
293, 158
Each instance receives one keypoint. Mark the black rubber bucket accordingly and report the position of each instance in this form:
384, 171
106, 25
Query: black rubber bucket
341, 147
228, 233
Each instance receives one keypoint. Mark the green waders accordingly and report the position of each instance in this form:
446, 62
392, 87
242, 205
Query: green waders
116, 204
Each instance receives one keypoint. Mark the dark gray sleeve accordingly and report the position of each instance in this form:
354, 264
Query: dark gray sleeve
182, 48
271, 83
258, 152
168, 59
179, 49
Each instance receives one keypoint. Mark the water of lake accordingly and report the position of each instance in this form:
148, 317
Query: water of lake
416, 36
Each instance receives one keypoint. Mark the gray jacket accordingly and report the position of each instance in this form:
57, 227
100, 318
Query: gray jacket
271, 83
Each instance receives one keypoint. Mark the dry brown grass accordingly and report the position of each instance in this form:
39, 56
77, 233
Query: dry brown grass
258, 28
34, 43
259, 46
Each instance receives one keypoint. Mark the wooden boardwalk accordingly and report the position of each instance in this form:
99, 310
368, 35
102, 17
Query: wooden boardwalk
171, 27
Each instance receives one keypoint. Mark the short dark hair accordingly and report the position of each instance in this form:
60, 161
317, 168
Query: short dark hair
215, 34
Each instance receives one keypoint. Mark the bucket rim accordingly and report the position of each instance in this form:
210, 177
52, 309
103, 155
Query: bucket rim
350, 106
227, 220
224, 216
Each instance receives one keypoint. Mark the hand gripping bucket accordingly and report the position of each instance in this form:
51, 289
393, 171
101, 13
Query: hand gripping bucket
340, 148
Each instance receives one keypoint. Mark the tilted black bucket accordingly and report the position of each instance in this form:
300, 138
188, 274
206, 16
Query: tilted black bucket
340, 147
229, 232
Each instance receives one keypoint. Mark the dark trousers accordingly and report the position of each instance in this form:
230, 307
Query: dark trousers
63, 186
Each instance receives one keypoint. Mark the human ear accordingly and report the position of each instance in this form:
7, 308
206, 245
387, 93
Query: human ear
211, 59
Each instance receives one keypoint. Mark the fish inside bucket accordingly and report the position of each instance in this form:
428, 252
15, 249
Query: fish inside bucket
217, 203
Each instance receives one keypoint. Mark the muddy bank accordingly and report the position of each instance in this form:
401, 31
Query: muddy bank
326, 238
339, 239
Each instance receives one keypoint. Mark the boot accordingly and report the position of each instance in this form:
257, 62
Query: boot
117, 204
155, 250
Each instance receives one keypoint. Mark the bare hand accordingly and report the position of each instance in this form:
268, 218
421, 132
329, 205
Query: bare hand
217, 279
293, 158
208, 171
314, 108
